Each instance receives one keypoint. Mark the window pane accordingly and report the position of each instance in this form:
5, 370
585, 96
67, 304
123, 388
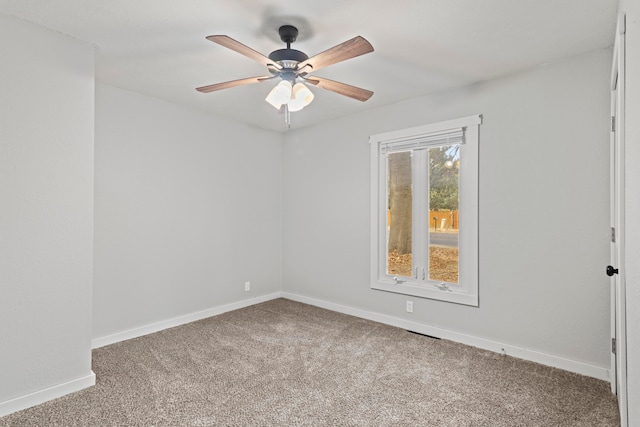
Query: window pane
444, 165
399, 224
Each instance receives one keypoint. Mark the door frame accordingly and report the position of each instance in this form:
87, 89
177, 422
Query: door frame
618, 372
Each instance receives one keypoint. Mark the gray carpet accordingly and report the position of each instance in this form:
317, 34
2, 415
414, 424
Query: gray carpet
282, 363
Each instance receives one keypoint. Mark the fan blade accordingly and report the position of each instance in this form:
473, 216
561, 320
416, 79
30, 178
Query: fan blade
350, 49
341, 88
233, 83
232, 44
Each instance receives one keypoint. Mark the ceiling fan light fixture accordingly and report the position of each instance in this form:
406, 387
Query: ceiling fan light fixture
280, 94
301, 96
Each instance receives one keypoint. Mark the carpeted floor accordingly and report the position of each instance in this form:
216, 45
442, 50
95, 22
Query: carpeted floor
282, 363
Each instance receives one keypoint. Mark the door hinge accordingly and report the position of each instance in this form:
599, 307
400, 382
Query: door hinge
613, 124
613, 234
613, 345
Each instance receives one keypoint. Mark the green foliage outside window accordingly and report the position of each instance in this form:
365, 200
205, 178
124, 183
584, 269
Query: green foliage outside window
444, 166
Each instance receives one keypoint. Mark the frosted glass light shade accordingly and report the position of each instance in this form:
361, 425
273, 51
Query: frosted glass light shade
301, 96
281, 94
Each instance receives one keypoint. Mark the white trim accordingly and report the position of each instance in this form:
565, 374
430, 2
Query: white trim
50, 393
429, 291
559, 362
427, 129
180, 320
619, 330
466, 290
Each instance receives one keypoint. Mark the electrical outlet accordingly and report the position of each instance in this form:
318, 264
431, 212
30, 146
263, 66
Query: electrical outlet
409, 306
247, 286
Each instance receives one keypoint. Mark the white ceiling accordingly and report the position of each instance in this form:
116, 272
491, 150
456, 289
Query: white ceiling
158, 47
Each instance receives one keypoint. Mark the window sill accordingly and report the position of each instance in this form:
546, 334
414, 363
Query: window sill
428, 291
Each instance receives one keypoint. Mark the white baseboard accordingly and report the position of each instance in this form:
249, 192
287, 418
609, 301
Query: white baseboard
177, 321
41, 396
485, 344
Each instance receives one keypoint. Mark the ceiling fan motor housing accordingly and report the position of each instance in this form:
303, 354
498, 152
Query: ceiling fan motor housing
282, 55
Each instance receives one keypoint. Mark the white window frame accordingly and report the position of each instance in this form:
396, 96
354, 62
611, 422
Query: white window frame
466, 290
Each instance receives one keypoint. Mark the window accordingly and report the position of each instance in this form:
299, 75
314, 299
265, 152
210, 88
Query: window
424, 211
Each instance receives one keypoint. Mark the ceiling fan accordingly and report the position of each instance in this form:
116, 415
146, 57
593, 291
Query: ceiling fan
294, 67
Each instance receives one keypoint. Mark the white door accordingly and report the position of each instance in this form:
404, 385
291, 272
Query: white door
615, 269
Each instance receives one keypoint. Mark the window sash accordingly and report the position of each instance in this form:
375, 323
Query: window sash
420, 222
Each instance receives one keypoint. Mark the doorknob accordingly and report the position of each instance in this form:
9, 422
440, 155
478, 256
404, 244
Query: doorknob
611, 271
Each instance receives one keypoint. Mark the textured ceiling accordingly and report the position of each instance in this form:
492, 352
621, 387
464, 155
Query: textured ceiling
158, 47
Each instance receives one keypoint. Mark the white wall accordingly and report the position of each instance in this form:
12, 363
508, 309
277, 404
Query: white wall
543, 148
187, 208
46, 213
632, 211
